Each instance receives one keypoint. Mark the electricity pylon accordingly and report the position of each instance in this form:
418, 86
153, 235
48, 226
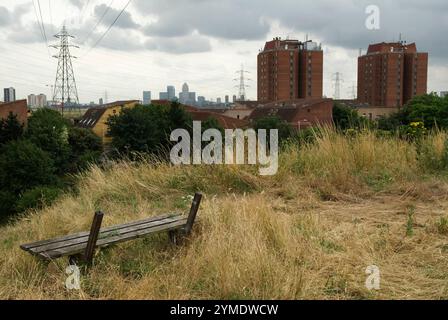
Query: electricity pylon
65, 92
242, 86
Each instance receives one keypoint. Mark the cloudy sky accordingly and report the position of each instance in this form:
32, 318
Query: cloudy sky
202, 42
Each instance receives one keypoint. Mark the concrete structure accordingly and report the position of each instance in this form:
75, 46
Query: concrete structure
37, 101
163, 96
18, 108
9, 95
391, 74
300, 114
375, 113
96, 118
171, 92
187, 97
146, 97
290, 70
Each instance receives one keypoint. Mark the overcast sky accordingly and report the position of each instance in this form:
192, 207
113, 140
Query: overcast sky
203, 42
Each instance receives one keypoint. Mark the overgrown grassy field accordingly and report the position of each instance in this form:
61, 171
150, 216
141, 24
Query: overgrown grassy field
336, 206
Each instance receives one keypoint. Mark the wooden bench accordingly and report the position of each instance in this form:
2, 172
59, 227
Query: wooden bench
81, 246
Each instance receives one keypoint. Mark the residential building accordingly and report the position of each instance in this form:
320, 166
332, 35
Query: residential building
226, 99
101, 101
391, 74
146, 97
9, 94
96, 118
300, 114
234, 98
37, 101
218, 101
18, 108
290, 70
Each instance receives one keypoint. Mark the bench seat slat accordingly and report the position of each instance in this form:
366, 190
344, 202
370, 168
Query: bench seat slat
30, 246
104, 235
101, 243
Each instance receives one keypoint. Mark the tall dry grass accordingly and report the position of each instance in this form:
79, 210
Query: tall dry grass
336, 206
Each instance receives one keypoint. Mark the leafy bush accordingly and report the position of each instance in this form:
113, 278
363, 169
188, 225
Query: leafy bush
7, 204
347, 118
37, 198
24, 166
285, 131
10, 129
147, 128
85, 148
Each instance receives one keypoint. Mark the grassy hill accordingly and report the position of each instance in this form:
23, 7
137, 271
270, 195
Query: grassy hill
336, 206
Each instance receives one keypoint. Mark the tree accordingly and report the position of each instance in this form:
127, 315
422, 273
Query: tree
48, 130
347, 118
146, 128
430, 109
285, 131
24, 166
85, 147
10, 129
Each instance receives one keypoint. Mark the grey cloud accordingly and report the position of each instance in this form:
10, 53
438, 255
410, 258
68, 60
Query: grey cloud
180, 45
5, 17
125, 22
337, 23
77, 3
221, 19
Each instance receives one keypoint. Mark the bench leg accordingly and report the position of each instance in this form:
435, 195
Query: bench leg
93, 237
174, 236
193, 212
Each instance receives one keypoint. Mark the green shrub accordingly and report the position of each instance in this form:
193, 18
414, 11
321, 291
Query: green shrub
85, 148
24, 166
7, 203
37, 198
10, 129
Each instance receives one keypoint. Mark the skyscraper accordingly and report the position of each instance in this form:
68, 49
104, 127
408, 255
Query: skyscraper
9, 94
171, 92
391, 74
146, 97
226, 99
290, 69
187, 97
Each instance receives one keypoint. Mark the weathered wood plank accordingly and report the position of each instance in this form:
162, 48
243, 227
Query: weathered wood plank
105, 234
29, 246
93, 237
79, 248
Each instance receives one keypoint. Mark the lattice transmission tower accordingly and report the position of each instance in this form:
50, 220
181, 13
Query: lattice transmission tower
65, 94
337, 80
242, 86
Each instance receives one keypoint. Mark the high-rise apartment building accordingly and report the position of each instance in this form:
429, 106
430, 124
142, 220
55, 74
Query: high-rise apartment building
391, 74
171, 92
289, 70
9, 95
37, 101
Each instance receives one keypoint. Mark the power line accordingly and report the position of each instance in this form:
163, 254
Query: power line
110, 27
98, 22
42, 31
42, 20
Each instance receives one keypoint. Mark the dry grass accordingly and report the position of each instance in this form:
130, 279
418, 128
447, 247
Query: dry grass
336, 207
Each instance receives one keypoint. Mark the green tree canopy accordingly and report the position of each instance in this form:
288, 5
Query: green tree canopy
147, 128
285, 131
24, 166
10, 129
48, 130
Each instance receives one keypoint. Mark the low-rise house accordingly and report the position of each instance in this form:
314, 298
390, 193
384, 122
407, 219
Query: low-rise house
96, 118
300, 114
